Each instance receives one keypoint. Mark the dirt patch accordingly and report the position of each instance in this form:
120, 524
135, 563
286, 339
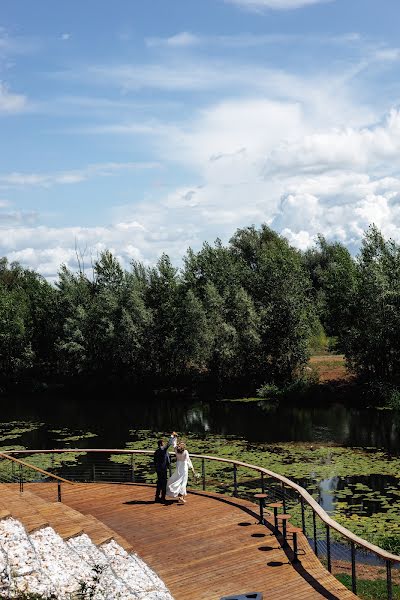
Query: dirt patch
330, 367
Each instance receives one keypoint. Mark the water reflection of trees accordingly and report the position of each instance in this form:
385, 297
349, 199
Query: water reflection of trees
112, 419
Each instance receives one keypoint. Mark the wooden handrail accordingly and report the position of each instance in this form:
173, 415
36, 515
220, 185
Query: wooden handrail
300, 490
38, 469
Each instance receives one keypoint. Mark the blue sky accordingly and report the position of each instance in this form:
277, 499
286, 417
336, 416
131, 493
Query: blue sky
148, 127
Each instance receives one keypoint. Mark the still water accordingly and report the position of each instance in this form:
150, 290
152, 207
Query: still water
112, 420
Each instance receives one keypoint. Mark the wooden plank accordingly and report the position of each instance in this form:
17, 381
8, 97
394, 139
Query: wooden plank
206, 548
17, 507
383, 554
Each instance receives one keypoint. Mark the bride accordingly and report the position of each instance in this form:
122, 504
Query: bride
176, 485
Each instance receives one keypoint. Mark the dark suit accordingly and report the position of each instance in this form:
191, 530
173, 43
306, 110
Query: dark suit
161, 463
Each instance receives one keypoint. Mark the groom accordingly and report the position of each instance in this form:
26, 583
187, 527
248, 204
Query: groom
161, 463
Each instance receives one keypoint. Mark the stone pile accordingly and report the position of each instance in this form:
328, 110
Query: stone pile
43, 563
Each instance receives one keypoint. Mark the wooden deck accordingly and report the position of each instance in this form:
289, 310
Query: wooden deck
208, 548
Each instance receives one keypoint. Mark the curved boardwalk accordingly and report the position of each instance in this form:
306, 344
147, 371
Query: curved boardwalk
208, 548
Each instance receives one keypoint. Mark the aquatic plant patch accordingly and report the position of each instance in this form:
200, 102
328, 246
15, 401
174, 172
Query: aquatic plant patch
67, 435
52, 462
16, 429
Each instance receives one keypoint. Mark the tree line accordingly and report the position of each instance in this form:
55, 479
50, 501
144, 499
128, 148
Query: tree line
249, 313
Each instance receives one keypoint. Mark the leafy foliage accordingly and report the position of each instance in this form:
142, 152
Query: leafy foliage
239, 312
246, 313
372, 342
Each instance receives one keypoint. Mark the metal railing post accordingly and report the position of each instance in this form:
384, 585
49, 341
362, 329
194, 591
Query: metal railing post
235, 486
315, 533
132, 469
21, 479
303, 517
93, 473
389, 580
328, 548
203, 473
59, 491
262, 484
295, 548
353, 569
283, 497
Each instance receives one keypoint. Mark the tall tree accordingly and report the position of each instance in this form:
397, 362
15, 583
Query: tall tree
272, 273
332, 270
373, 342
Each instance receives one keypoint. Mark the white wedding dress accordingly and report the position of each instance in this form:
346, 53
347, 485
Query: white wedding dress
176, 485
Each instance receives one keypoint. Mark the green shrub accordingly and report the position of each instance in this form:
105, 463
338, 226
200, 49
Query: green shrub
369, 590
390, 543
268, 391
394, 399
381, 393
318, 342
300, 385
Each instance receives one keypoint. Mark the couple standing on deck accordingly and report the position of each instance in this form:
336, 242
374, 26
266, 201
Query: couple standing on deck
175, 487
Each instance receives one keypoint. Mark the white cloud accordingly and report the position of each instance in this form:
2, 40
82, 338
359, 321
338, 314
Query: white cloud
46, 248
274, 4
305, 154
251, 40
257, 161
10, 102
277, 162
14, 45
343, 214
350, 148
387, 54
17, 179
65, 36
12, 217
16, 217
180, 40
225, 77
188, 75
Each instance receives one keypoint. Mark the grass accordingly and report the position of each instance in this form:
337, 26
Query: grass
330, 367
241, 400
370, 590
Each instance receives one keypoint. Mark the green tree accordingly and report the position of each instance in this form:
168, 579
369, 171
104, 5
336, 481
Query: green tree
273, 275
372, 344
15, 348
105, 322
28, 323
161, 285
332, 270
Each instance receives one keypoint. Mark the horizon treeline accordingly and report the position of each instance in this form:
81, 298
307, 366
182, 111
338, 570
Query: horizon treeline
249, 313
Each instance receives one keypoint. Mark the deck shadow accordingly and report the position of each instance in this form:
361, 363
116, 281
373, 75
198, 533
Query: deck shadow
306, 575
302, 571
133, 502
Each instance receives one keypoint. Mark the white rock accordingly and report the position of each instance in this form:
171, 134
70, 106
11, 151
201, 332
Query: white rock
44, 563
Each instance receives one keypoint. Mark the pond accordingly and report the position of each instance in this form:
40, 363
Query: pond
256, 421
349, 458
